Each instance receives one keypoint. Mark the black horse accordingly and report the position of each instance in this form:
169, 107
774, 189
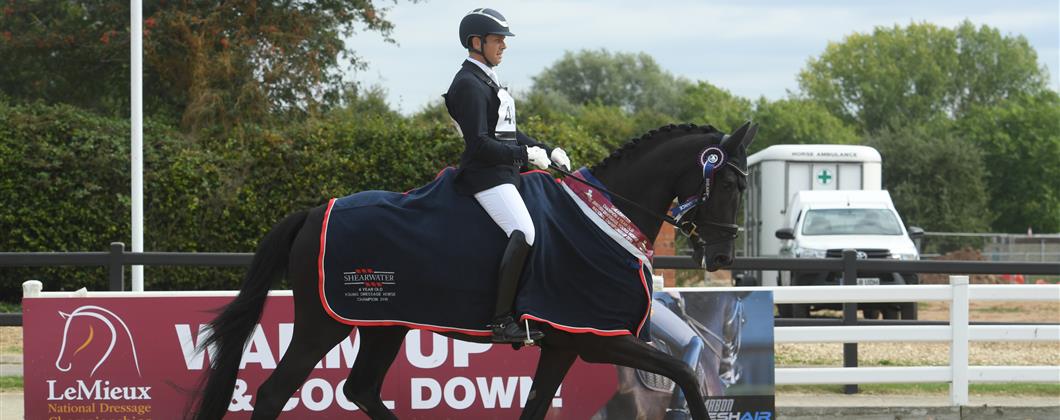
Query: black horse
650, 171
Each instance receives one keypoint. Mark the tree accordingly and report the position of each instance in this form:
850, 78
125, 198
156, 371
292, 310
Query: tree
936, 179
1020, 139
920, 73
799, 121
632, 82
704, 103
205, 63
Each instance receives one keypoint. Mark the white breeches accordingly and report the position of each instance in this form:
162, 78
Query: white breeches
506, 207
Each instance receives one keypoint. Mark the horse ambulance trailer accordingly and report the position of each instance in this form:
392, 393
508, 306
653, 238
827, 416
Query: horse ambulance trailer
776, 173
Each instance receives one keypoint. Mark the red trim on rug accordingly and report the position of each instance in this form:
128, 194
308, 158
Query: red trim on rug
320, 261
576, 330
539, 171
647, 291
442, 171
435, 177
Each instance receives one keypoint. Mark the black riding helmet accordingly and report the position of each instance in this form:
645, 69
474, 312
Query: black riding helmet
481, 22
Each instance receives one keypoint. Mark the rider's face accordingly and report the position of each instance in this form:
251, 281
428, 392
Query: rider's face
494, 48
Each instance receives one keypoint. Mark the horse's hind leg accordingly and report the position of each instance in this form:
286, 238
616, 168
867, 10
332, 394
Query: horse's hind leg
378, 348
552, 367
631, 352
311, 341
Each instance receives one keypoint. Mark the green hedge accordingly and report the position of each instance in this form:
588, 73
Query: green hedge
65, 183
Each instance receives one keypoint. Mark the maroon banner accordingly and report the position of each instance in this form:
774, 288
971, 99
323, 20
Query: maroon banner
131, 358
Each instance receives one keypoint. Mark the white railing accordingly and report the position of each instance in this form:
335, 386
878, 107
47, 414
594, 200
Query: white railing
958, 293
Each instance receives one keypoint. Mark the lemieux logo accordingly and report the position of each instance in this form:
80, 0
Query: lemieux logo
116, 332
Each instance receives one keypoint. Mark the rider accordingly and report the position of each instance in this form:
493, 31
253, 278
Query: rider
493, 154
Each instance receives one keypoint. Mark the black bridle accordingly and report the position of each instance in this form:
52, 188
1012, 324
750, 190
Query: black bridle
712, 159
684, 213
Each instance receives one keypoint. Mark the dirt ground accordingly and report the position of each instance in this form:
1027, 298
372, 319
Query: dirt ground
10, 340
937, 354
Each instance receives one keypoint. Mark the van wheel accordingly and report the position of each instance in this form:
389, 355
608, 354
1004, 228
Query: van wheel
800, 310
783, 310
891, 313
871, 313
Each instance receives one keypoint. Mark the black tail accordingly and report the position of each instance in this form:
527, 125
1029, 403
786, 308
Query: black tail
230, 330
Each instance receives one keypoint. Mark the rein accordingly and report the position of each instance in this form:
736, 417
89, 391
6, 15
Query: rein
663, 217
687, 227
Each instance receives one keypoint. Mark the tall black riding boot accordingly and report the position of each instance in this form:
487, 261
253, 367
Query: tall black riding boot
504, 327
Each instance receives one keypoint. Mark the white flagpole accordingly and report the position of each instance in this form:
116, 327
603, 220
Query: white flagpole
136, 81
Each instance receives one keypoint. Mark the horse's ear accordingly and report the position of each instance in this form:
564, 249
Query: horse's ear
736, 137
750, 136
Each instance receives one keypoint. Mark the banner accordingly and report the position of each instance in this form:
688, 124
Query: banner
132, 358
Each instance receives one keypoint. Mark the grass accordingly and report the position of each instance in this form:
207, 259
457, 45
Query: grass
1013, 389
1001, 309
6, 307
10, 383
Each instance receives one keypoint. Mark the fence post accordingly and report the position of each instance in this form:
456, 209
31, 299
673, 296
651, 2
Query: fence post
32, 288
959, 343
116, 267
850, 314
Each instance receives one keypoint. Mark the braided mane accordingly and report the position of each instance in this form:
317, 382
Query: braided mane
656, 136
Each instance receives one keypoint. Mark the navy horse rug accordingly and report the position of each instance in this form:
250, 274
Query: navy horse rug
429, 258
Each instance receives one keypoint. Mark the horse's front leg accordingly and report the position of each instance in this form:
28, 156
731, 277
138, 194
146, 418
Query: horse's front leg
630, 351
552, 367
379, 347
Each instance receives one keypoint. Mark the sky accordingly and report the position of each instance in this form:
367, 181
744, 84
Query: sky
751, 48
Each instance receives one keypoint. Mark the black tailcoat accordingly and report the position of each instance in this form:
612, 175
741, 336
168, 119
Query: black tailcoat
489, 158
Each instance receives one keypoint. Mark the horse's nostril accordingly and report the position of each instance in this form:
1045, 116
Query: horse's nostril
722, 260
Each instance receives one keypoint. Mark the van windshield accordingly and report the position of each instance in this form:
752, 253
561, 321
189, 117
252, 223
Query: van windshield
851, 222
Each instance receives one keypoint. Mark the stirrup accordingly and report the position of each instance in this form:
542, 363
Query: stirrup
506, 330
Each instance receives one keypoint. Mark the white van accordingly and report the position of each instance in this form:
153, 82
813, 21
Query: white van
778, 172
824, 223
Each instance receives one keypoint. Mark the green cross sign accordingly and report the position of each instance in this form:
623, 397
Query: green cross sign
824, 176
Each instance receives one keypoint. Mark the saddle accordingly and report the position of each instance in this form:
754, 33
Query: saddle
428, 259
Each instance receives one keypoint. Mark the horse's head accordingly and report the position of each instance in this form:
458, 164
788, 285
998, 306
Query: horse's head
711, 193
703, 168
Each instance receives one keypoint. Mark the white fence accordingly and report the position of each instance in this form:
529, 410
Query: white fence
958, 334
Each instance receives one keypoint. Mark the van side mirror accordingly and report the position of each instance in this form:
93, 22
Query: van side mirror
915, 232
789, 233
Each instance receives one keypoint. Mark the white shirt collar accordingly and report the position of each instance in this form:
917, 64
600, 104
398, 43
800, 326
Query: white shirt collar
489, 71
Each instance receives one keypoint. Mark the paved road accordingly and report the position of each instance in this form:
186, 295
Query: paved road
10, 365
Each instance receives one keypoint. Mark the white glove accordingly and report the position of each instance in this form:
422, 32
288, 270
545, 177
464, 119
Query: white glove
537, 157
559, 157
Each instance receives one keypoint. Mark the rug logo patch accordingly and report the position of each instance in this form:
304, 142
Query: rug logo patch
369, 285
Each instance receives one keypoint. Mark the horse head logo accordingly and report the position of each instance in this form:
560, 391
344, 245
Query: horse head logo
65, 361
